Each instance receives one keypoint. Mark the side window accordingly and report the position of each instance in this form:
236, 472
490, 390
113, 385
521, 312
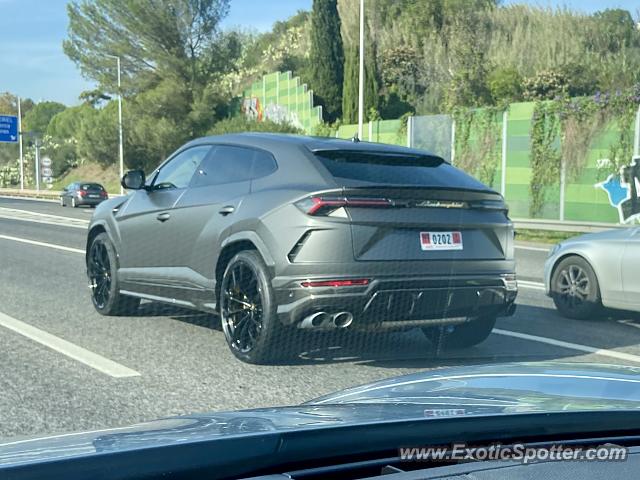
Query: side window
263, 164
227, 164
177, 173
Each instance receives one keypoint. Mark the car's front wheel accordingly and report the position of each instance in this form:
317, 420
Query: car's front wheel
103, 281
248, 311
575, 290
463, 335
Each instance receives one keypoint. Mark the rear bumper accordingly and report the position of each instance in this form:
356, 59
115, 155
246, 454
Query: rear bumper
395, 302
89, 201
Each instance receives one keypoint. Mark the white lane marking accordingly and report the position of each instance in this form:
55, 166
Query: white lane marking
533, 249
46, 218
31, 199
43, 244
630, 323
46, 222
40, 214
531, 285
71, 350
603, 352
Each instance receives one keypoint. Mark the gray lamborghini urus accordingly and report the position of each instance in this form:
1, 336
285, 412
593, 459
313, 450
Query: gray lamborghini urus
281, 232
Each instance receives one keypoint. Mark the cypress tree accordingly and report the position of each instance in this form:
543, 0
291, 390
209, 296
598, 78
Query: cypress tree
351, 80
326, 57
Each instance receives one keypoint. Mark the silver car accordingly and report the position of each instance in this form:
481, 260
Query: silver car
596, 270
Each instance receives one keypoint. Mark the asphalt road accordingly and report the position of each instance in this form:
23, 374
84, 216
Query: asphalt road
79, 370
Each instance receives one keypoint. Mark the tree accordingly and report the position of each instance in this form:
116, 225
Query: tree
326, 57
37, 119
98, 135
243, 124
173, 56
63, 131
155, 40
615, 30
505, 85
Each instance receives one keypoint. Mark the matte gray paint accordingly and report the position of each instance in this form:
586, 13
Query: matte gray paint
176, 258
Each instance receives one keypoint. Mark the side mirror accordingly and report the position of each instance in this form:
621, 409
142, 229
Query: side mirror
133, 180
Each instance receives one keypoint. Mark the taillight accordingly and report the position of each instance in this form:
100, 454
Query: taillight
337, 283
82, 193
324, 205
104, 194
490, 205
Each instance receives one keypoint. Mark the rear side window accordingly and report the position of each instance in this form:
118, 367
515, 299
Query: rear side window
263, 164
229, 164
352, 167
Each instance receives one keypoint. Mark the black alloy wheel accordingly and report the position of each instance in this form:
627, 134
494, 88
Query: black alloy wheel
101, 270
248, 311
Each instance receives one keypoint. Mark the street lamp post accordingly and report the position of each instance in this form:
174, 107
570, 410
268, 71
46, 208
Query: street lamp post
361, 74
120, 141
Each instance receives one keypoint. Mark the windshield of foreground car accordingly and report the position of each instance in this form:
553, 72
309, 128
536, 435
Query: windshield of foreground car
209, 206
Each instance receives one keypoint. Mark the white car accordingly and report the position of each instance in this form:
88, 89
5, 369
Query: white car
585, 273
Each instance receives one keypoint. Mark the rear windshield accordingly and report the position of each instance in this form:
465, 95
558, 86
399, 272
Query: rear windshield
91, 186
394, 169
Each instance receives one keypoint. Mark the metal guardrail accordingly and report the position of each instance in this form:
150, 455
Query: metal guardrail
42, 194
39, 194
519, 223
563, 226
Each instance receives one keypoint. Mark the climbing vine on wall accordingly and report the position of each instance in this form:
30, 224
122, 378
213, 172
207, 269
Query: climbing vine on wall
563, 130
477, 142
545, 154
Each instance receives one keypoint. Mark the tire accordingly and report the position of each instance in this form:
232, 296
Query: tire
73, 202
62, 204
575, 290
103, 280
463, 335
253, 331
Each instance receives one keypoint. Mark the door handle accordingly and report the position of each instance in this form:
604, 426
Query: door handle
164, 216
226, 210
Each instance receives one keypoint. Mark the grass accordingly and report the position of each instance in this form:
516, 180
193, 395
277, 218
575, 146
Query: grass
91, 172
543, 236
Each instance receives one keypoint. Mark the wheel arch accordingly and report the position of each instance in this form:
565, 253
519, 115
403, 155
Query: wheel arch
95, 230
233, 245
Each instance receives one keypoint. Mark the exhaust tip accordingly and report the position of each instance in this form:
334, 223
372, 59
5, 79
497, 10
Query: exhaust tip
319, 319
316, 320
342, 319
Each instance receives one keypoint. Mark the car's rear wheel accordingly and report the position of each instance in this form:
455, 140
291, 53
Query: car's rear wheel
73, 202
103, 281
463, 335
248, 311
62, 204
575, 290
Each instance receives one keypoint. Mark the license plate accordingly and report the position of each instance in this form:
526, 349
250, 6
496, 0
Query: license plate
441, 240
94, 196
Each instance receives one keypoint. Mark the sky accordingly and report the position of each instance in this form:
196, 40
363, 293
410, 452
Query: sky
32, 63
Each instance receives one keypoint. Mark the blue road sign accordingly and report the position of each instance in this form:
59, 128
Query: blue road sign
8, 128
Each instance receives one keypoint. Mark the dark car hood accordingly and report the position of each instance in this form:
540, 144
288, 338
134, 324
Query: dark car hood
462, 391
